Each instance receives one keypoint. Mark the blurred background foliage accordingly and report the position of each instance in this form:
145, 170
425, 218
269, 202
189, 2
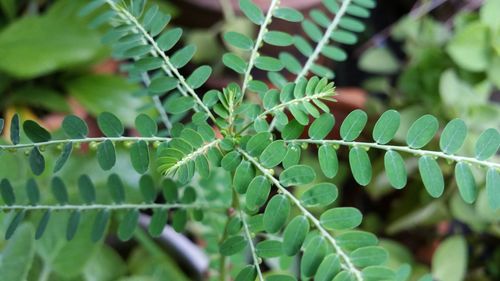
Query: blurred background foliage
430, 56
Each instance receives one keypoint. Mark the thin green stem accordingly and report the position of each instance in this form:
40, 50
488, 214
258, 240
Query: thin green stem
158, 105
248, 235
403, 149
258, 42
169, 68
324, 40
282, 106
105, 206
193, 155
347, 264
85, 140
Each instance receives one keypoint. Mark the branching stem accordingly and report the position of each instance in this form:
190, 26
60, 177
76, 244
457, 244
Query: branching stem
403, 149
85, 140
258, 42
348, 265
324, 40
168, 67
193, 155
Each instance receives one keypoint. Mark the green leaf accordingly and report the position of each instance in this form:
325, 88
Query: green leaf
162, 84
269, 249
14, 129
65, 153
294, 235
183, 56
243, 175
7, 192
395, 169
280, 277
147, 187
146, 125
276, 213
341, 218
248, 273
469, 48
278, 38
231, 161
314, 254
238, 40
268, 63
178, 104
42, 225
32, 192
321, 127
116, 189
59, 191
61, 42
465, 182
72, 227
449, 261
273, 154
379, 60
292, 130
14, 223
199, 76
431, 176
321, 195
453, 136
86, 189
367, 256
257, 143
360, 165
328, 161
258, 192
128, 224
18, 255
422, 131
297, 175
353, 124
233, 245
99, 226
35, 132
288, 14
352, 240
74, 127
378, 273
252, 12
37, 161
110, 125
292, 156
169, 38
234, 62
386, 127
106, 156
328, 268
487, 144
139, 156
158, 221
493, 188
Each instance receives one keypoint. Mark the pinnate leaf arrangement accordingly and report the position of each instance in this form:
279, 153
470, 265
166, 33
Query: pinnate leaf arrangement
258, 144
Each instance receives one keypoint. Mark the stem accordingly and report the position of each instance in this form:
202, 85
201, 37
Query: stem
168, 67
403, 149
248, 235
193, 155
85, 140
158, 105
348, 265
104, 206
45, 274
260, 37
284, 105
324, 40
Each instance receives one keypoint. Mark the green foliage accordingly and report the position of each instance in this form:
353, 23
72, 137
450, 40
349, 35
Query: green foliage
260, 156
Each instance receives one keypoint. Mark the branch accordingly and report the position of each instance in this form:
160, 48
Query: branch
258, 42
403, 149
85, 140
167, 67
348, 265
252, 247
191, 156
105, 206
324, 40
